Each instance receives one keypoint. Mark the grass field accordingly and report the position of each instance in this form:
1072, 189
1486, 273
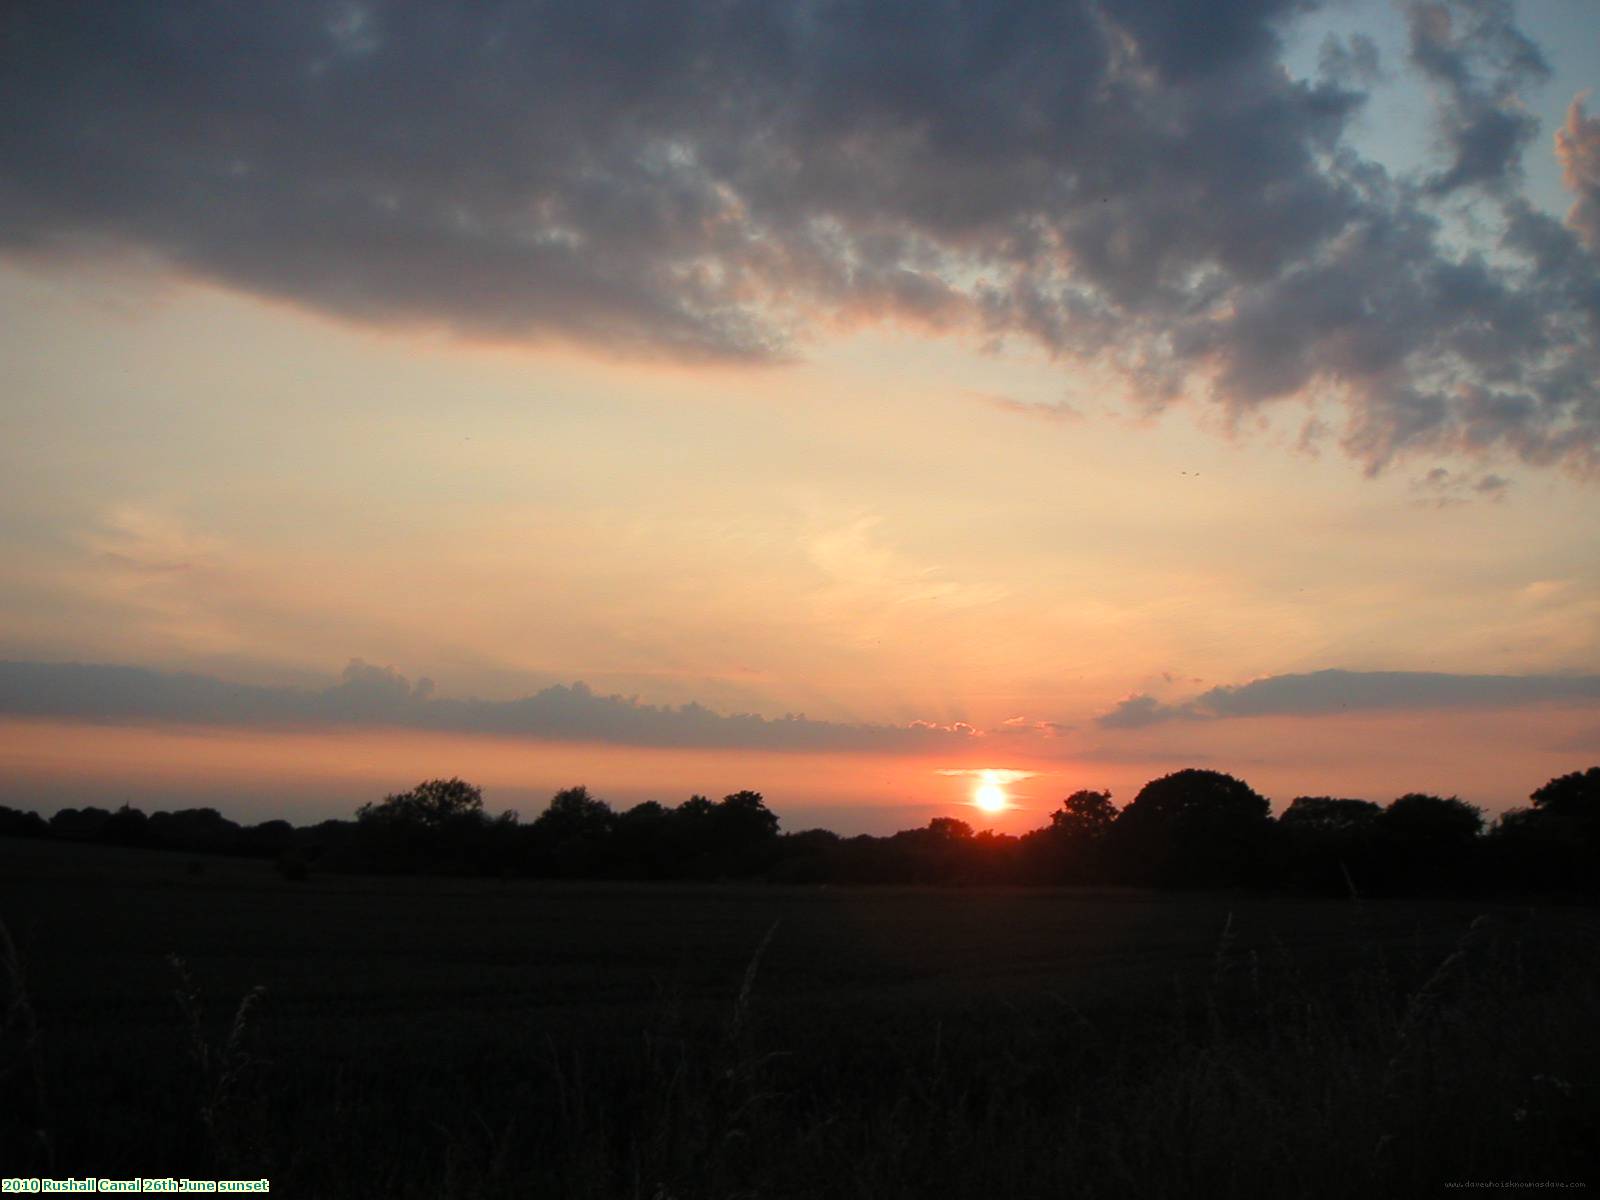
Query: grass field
424, 1037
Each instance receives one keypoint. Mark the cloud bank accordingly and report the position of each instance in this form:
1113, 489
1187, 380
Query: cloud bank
1134, 182
367, 695
1321, 693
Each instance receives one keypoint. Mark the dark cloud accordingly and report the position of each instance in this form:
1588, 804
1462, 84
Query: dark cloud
1353, 62
1135, 712
1137, 182
1480, 61
377, 696
1321, 693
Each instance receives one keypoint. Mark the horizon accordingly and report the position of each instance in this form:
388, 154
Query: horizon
980, 818
730, 397
95, 766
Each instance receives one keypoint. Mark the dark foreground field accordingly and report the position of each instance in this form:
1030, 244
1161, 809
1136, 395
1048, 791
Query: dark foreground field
441, 1038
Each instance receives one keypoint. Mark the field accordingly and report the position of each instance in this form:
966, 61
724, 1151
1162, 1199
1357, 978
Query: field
428, 1037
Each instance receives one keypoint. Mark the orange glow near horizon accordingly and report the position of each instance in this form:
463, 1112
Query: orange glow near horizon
309, 774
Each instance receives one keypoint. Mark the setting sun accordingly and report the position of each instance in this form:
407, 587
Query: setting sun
990, 796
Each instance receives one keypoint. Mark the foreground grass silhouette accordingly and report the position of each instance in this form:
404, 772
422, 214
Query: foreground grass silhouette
472, 1038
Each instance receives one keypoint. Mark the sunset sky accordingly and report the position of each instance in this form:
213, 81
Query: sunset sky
834, 400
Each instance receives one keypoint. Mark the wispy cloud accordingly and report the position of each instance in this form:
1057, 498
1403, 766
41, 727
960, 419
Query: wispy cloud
1058, 410
991, 774
1442, 488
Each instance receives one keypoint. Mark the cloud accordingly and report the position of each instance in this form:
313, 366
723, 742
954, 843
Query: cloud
1578, 149
1139, 184
1135, 712
1443, 488
1056, 410
368, 695
989, 774
1322, 693
1479, 61
1355, 61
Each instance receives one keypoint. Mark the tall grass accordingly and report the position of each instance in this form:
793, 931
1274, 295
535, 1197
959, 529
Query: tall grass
25, 1142
227, 1076
1260, 1073
1404, 1074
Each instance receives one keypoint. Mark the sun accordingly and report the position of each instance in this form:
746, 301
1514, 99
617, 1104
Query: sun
990, 796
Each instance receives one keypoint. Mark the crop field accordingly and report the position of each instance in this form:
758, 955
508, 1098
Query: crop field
346, 1036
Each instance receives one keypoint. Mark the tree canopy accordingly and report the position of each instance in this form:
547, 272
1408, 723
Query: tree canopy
432, 803
1417, 815
1575, 796
1192, 828
1084, 815
1328, 816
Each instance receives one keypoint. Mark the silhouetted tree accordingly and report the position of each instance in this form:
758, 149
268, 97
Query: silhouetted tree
743, 830
1190, 828
734, 836
125, 827
197, 830
267, 840
947, 830
79, 824
430, 804
569, 839
1326, 844
1574, 797
1072, 848
1326, 816
936, 853
1193, 828
810, 856
17, 823
691, 834
573, 812
744, 817
1553, 846
437, 825
642, 842
1427, 842
332, 844
1085, 816
1437, 820
991, 858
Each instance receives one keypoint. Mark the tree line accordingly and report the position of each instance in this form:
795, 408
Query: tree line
1190, 829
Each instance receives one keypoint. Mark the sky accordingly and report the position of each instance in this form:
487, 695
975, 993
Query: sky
836, 400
